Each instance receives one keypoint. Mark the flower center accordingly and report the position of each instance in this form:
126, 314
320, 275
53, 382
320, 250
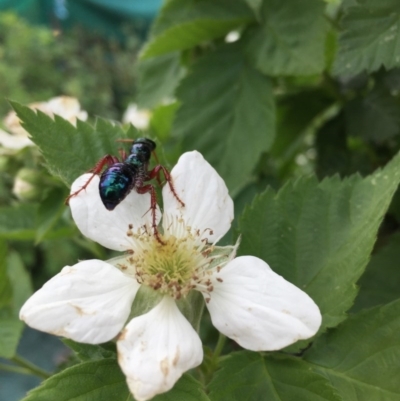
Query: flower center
179, 265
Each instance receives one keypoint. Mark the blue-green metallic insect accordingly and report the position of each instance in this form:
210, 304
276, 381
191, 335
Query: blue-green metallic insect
121, 177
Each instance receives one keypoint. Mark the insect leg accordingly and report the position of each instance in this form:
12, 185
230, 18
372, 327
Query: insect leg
153, 207
155, 173
108, 160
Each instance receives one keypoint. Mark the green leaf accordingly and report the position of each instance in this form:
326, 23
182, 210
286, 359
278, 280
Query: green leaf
361, 358
18, 222
162, 119
50, 210
227, 113
20, 281
255, 5
319, 236
15, 288
376, 117
90, 352
69, 151
380, 282
247, 376
183, 24
99, 380
186, 389
290, 39
370, 37
158, 78
5, 285
296, 116
10, 333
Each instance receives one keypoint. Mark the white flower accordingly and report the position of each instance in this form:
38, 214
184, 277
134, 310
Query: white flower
91, 301
64, 106
139, 118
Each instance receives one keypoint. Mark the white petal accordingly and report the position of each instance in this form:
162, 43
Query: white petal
88, 302
155, 349
208, 205
109, 228
259, 309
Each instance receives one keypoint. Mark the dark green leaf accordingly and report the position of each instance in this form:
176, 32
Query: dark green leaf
158, 78
247, 376
227, 113
183, 24
255, 5
290, 39
380, 284
376, 117
70, 151
370, 37
296, 115
5, 285
90, 352
89, 381
319, 236
361, 358
186, 389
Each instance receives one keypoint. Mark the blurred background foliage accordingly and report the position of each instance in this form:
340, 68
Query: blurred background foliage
38, 63
212, 78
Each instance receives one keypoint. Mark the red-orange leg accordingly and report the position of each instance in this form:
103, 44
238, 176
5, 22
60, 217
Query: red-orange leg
153, 208
106, 160
155, 173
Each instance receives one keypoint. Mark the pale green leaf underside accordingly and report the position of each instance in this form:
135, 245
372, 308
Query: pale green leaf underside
361, 358
370, 37
227, 113
247, 376
319, 236
290, 39
183, 24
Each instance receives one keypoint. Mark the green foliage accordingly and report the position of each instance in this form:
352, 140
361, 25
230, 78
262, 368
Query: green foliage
369, 38
360, 359
380, 283
290, 38
102, 379
230, 117
36, 65
250, 377
158, 78
69, 152
320, 235
15, 288
183, 24
374, 117
300, 116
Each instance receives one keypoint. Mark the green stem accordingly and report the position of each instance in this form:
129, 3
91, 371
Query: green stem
29, 368
218, 348
14, 369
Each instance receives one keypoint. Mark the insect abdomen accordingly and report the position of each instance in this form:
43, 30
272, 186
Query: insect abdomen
115, 184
